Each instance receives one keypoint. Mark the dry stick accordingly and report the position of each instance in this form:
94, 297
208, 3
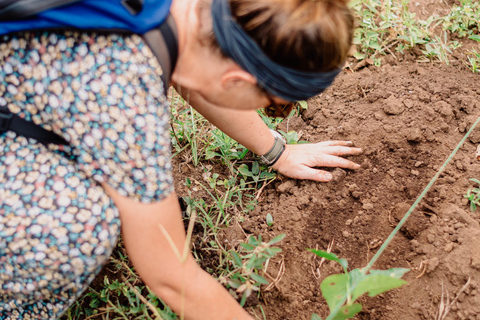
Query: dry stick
263, 187
445, 310
364, 271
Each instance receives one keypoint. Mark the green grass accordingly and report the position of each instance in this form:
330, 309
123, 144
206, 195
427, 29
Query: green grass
388, 26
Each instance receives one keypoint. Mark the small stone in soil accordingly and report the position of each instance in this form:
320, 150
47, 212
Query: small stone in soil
338, 175
432, 264
393, 106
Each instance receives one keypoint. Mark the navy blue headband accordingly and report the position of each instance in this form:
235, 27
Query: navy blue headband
280, 81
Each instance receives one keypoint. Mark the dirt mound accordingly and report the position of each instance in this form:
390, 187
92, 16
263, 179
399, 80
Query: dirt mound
408, 118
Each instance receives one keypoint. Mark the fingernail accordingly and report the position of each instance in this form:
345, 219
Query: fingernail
328, 177
349, 143
357, 166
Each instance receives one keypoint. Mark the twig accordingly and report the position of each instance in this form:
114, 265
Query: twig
259, 193
444, 307
280, 274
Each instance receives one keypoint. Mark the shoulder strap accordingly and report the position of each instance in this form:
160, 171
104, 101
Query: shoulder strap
164, 45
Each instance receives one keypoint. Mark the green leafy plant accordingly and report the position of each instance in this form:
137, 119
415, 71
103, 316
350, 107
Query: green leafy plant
440, 48
386, 25
464, 20
473, 195
473, 61
245, 265
256, 173
224, 147
354, 284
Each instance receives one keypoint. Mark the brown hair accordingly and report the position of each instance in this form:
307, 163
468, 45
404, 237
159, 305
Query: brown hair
307, 35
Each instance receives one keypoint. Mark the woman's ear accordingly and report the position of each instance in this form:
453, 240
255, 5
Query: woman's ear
236, 79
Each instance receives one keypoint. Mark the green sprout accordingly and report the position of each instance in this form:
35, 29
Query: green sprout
473, 196
354, 284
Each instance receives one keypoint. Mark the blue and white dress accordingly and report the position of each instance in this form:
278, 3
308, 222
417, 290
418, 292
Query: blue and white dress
104, 95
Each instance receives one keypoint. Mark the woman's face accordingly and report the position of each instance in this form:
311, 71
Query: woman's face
203, 70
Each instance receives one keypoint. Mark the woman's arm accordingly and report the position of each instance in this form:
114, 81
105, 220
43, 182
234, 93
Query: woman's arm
298, 161
155, 260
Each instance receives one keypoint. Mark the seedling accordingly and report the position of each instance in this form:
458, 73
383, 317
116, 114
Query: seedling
269, 220
473, 195
354, 284
256, 173
473, 61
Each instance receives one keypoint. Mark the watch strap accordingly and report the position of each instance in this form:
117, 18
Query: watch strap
272, 156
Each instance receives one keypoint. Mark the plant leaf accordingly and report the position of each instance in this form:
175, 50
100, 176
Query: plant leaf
277, 238
243, 169
394, 272
330, 256
375, 284
269, 220
475, 37
258, 278
247, 246
236, 258
334, 288
303, 104
315, 317
256, 168
347, 312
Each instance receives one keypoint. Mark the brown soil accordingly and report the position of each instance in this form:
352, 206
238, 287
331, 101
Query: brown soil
408, 118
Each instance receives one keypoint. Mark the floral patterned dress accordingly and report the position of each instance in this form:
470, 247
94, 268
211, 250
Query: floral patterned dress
104, 95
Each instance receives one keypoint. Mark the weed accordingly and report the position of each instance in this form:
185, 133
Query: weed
383, 25
473, 61
243, 270
224, 147
440, 48
464, 20
354, 284
187, 128
256, 173
473, 195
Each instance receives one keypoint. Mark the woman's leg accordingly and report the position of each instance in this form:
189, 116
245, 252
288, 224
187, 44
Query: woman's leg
57, 229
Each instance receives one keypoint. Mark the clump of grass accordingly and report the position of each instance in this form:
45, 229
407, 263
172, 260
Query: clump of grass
463, 20
383, 26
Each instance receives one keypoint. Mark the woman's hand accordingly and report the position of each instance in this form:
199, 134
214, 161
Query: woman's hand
298, 161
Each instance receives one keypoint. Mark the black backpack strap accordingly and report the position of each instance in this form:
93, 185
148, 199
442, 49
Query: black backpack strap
28, 129
163, 41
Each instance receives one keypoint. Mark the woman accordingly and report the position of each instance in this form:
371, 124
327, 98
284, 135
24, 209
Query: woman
60, 216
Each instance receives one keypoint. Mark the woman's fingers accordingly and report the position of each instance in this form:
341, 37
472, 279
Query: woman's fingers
335, 143
327, 160
340, 151
307, 173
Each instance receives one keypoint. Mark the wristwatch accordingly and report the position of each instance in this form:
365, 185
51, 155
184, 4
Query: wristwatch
272, 156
